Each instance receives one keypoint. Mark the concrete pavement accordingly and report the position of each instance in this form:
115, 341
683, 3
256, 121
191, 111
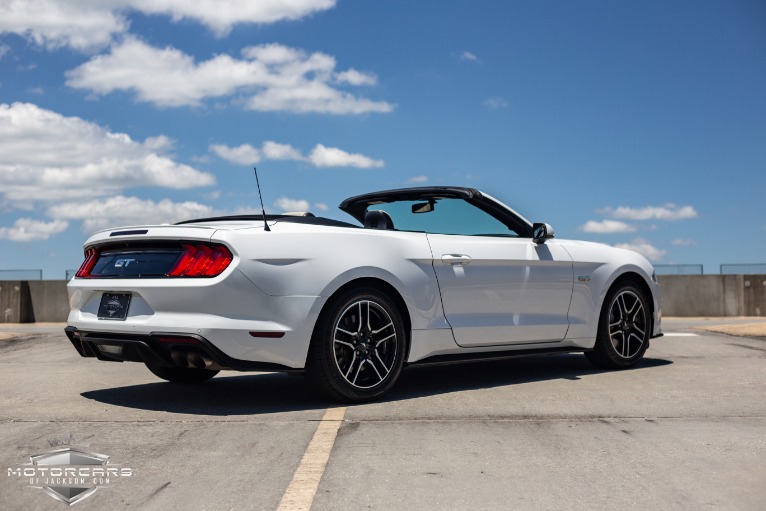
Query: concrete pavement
686, 429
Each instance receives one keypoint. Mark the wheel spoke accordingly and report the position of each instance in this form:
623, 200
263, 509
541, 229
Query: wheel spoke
381, 329
629, 311
621, 306
639, 339
618, 341
359, 369
638, 311
350, 366
339, 329
377, 344
380, 378
344, 343
368, 317
381, 363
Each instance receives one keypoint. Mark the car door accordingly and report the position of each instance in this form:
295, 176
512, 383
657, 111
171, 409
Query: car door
501, 290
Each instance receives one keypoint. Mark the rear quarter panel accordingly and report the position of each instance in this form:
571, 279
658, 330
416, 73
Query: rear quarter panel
295, 260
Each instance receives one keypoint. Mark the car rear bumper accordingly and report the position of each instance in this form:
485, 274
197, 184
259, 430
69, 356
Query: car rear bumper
228, 314
161, 349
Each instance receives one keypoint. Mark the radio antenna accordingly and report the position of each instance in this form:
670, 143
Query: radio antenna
263, 210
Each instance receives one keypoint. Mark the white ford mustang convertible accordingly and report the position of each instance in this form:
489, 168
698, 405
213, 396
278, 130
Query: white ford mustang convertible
429, 275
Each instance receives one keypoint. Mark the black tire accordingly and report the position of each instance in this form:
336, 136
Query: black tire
358, 348
182, 374
624, 328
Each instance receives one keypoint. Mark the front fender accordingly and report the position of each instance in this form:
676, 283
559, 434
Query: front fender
596, 269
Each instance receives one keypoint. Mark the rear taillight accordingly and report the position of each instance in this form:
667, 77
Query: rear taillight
193, 260
198, 260
91, 256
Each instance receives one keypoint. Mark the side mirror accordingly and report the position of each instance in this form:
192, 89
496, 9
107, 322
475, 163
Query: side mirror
541, 232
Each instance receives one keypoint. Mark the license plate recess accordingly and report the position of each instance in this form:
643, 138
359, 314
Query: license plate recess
114, 306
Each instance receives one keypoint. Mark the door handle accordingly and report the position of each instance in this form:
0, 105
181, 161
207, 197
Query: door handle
456, 259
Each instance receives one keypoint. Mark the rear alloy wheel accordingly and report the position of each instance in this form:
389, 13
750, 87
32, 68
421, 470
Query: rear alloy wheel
624, 329
359, 346
182, 374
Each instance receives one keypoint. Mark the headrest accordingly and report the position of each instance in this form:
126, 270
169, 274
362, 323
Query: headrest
378, 219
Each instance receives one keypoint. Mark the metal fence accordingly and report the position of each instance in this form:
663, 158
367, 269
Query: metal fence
21, 275
743, 269
678, 269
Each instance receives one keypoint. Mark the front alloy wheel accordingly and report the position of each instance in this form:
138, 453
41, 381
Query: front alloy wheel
359, 346
624, 329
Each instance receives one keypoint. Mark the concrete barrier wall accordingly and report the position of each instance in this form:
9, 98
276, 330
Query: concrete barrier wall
33, 301
14, 301
49, 300
682, 295
713, 295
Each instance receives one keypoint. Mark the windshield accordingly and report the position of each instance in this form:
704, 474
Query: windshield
443, 216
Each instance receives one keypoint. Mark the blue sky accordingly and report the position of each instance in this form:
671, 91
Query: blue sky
638, 124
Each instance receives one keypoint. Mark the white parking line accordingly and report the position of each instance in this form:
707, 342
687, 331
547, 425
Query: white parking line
680, 334
301, 490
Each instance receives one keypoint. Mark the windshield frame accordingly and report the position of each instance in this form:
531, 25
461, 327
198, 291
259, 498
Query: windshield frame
359, 205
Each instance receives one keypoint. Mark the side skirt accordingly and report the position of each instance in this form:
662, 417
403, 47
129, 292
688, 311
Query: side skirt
461, 358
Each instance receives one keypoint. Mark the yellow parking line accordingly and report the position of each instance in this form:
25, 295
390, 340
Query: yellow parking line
300, 493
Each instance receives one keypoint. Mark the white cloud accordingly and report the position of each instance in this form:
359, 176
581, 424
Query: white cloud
221, 15
418, 179
467, 55
670, 212
244, 154
322, 156
120, 210
287, 204
275, 151
496, 103
314, 96
607, 227
27, 229
644, 248
89, 24
679, 242
272, 77
58, 23
4, 49
45, 156
354, 77
321, 206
